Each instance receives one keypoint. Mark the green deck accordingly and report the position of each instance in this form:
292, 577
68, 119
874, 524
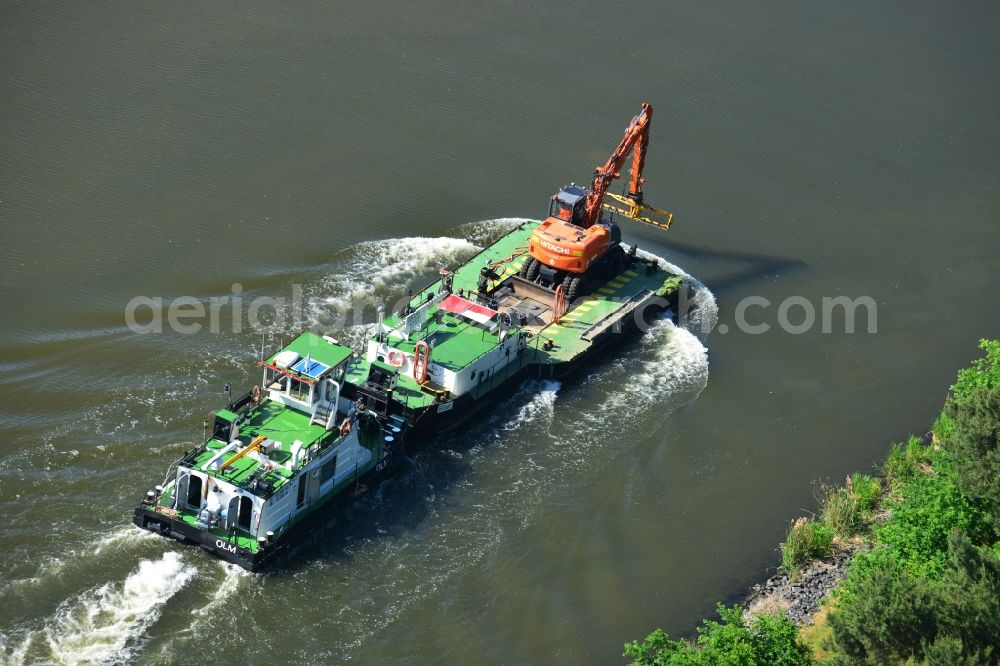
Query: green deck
276, 422
466, 341
457, 342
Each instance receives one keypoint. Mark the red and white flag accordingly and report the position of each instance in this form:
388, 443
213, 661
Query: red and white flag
466, 308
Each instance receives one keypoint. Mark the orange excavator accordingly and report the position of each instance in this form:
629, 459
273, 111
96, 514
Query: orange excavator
577, 246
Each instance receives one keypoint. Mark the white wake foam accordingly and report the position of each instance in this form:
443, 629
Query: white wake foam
541, 406
232, 576
389, 265
103, 624
704, 311
121, 537
669, 368
52, 567
486, 232
18, 653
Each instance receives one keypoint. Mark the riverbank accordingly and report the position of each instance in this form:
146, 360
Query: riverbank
799, 598
901, 567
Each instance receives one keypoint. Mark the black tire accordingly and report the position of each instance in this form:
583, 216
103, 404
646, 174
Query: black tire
572, 289
532, 274
616, 262
526, 266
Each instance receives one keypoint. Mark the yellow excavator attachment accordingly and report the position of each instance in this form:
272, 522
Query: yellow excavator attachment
640, 212
252, 446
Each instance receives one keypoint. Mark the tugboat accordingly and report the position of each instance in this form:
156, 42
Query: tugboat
538, 302
288, 449
325, 421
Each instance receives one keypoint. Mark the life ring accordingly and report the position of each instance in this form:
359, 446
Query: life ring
421, 361
345, 427
396, 359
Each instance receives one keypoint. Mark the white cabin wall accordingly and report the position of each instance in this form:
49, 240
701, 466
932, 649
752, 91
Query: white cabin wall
219, 494
495, 360
348, 461
281, 506
276, 509
456, 382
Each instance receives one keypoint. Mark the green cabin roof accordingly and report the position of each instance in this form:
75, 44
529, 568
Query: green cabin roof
317, 348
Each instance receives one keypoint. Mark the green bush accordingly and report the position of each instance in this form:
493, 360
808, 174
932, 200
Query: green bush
882, 613
983, 373
924, 511
766, 641
949, 651
967, 599
974, 444
806, 539
971, 428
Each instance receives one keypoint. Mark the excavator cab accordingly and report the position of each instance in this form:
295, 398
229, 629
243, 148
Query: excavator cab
569, 205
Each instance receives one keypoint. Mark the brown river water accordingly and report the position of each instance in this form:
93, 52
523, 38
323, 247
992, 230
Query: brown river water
342, 151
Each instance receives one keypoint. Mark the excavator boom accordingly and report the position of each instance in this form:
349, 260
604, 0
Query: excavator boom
636, 139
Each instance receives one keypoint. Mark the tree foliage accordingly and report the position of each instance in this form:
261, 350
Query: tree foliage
972, 435
974, 444
982, 373
882, 612
766, 640
886, 615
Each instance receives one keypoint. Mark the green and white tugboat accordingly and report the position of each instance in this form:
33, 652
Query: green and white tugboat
287, 450
541, 301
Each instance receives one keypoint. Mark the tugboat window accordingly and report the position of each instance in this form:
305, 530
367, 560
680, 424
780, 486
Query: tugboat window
297, 389
328, 470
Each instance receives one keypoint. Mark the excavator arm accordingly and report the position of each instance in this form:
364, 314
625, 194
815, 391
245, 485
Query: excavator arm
636, 139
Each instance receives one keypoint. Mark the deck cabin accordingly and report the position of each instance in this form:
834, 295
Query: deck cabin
466, 343
277, 450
